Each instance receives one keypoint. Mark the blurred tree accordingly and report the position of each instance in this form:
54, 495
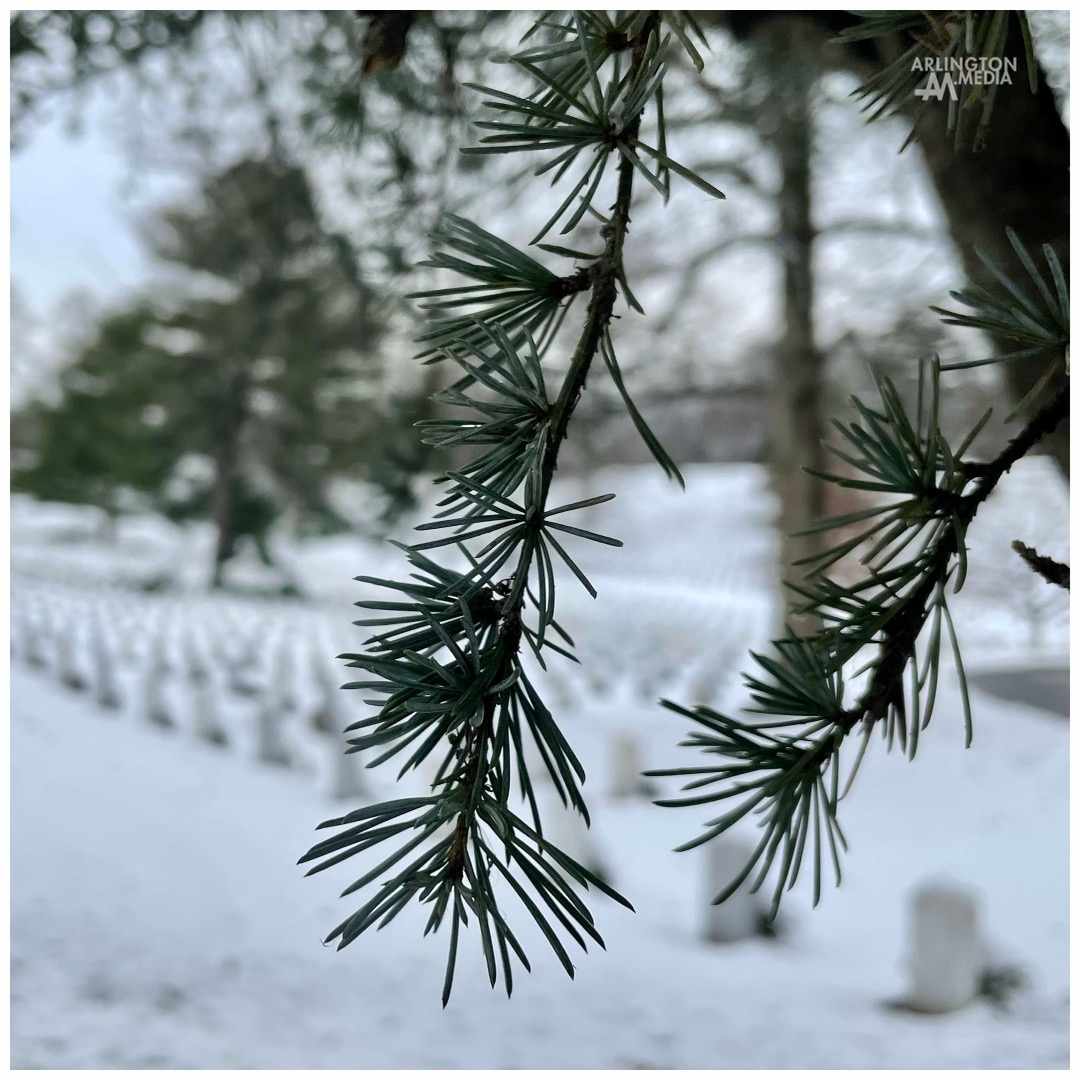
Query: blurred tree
201, 91
796, 458
196, 91
270, 355
263, 362
57, 51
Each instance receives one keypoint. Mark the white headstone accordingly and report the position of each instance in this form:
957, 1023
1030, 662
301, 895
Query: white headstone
345, 777
626, 779
330, 715
945, 951
195, 661
283, 678
128, 649
153, 696
106, 692
67, 666
207, 725
269, 743
244, 666
33, 652
566, 829
741, 915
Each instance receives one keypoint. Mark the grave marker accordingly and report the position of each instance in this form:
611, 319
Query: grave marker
626, 779
106, 692
67, 668
207, 725
945, 954
741, 915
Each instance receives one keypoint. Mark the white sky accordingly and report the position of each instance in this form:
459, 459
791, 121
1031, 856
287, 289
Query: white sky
70, 220
74, 211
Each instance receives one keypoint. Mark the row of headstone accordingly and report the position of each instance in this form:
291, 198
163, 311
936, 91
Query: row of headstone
946, 961
143, 624
647, 674
218, 631
85, 662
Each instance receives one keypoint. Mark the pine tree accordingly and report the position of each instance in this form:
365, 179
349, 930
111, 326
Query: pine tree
292, 326
95, 446
261, 362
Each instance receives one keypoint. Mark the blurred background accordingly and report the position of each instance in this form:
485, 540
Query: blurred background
217, 218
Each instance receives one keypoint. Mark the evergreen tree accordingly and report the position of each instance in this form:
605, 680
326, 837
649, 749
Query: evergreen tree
268, 362
261, 362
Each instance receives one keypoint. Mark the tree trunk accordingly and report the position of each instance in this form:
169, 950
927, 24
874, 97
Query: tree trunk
1020, 180
223, 502
796, 425
221, 513
230, 429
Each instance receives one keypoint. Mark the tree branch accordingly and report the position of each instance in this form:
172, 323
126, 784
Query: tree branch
1050, 570
904, 625
603, 276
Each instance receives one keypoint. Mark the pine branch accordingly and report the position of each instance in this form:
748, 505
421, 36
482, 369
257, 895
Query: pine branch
603, 274
903, 629
788, 769
446, 656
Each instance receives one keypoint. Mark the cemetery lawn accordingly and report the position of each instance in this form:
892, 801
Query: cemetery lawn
158, 919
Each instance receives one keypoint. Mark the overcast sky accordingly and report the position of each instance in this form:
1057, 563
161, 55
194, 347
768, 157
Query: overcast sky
73, 214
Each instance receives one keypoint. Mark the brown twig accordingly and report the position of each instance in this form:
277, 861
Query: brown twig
1050, 570
600, 278
386, 39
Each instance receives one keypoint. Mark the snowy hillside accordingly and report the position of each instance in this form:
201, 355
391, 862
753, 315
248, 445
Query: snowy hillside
157, 908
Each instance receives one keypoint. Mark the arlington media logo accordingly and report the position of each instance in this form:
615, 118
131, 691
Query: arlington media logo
944, 73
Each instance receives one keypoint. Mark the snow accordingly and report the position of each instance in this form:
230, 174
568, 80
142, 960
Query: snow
157, 908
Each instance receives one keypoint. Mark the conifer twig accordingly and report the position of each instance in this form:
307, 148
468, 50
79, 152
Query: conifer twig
447, 655
787, 769
603, 290
1050, 570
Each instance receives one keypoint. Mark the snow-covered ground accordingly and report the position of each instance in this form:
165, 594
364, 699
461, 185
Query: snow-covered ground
159, 920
